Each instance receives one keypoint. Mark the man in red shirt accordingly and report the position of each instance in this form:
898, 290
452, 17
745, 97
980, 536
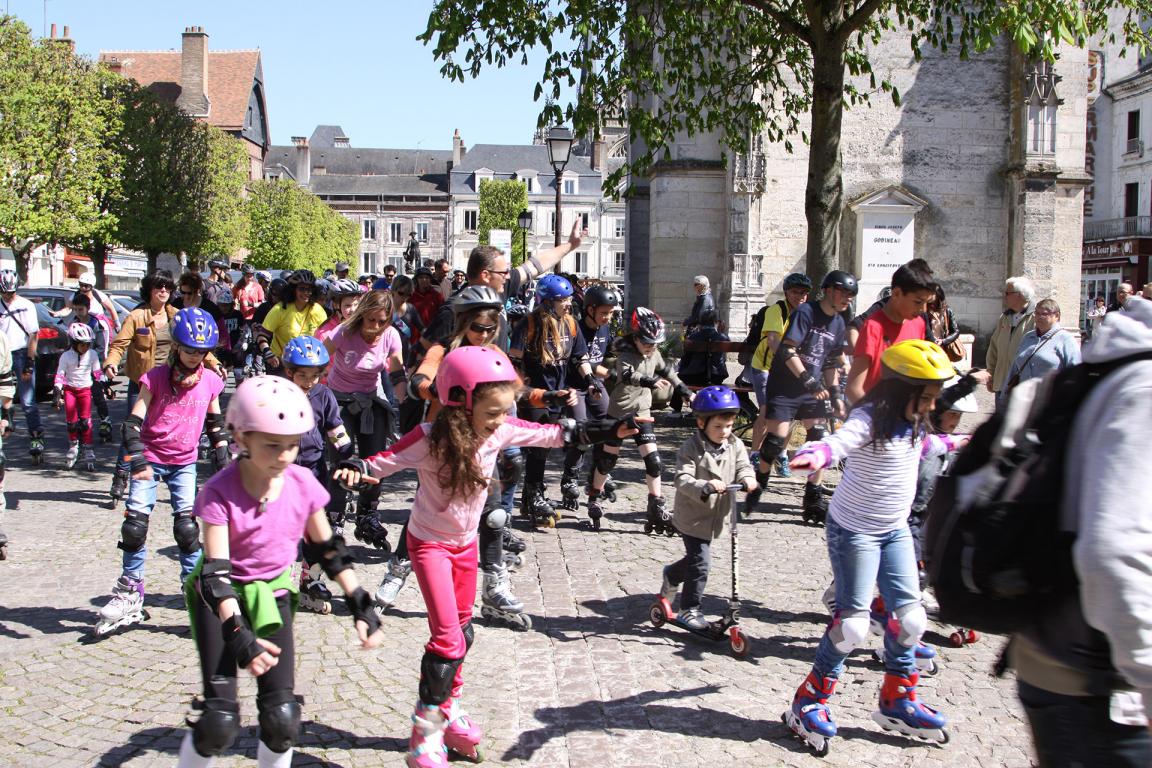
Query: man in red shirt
900, 317
426, 297
247, 292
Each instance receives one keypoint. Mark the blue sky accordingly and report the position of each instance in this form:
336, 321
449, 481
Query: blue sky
354, 63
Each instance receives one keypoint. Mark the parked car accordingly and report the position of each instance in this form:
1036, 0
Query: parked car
57, 297
52, 341
126, 300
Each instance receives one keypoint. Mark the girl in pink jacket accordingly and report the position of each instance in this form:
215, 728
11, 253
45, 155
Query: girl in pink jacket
454, 457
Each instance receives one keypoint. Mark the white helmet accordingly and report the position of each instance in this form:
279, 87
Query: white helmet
87, 278
80, 332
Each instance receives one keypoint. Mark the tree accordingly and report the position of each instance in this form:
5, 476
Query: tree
291, 228
742, 68
501, 201
224, 220
51, 153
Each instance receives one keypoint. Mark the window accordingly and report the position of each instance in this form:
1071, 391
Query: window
570, 187
618, 262
395, 261
583, 221
471, 216
369, 229
580, 262
395, 232
1133, 124
530, 183
551, 222
422, 231
620, 228
368, 263
1131, 200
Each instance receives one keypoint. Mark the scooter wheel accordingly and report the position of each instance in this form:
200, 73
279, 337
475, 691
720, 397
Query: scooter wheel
656, 615
973, 637
738, 642
957, 639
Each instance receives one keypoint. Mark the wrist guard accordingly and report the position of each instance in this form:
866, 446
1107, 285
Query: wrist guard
811, 385
29, 365
397, 377
241, 640
555, 397
685, 391
648, 382
216, 582
133, 443
586, 433
362, 607
266, 353
214, 428
357, 464
332, 555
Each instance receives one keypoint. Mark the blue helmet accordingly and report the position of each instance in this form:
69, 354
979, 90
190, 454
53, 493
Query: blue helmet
194, 328
714, 400
381, 284
552, 287
305, 351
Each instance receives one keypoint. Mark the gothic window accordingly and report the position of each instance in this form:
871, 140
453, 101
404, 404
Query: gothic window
1040, 105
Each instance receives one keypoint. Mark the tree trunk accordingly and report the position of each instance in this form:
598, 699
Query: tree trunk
824, 196
21, 257
153, 255
99, 254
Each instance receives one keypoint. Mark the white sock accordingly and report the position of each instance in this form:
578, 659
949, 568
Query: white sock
266, 758
189, 757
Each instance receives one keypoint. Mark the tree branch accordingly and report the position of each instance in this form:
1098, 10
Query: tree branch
858, 19
787, 24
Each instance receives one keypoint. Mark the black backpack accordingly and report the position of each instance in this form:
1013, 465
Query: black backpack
997, 558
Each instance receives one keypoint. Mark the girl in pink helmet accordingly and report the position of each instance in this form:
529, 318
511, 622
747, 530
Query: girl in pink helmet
242, 594
454, 457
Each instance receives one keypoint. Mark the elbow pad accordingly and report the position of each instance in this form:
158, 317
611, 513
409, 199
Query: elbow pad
587, 433
785, 352
332, 555
133, 442
214, 426
216, 582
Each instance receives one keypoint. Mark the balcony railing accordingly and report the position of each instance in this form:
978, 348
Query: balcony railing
1118, 229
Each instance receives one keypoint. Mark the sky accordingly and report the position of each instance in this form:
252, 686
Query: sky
352, 63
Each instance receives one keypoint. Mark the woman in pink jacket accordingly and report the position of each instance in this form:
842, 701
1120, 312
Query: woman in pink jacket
454, 456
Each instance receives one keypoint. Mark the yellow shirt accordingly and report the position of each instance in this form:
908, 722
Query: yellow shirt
286, 323
775, 321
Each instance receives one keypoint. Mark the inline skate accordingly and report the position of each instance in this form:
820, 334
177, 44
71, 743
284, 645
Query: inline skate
105, 430
809, 716
752, 500
815, 508
36, 447
125, 608
426, 745
314, 593
389, 590
119, 486
88, 459
461, 735
371, 531
609, 490
535, 506
659, 518
497, 603
595, 509
73, 454
512, 542
569, 492
3, 545
900, 711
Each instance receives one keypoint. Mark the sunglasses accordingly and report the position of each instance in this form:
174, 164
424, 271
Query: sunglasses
482, 328
85, 287
168, 288
504, 272
194, 352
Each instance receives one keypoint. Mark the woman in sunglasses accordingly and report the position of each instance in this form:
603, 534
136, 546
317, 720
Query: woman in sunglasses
297, 314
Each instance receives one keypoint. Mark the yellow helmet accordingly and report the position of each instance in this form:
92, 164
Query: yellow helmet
917, 361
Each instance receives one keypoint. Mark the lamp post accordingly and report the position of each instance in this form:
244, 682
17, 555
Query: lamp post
524, 220
559, 150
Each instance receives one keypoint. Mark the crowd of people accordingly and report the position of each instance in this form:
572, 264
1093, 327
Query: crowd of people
469, 379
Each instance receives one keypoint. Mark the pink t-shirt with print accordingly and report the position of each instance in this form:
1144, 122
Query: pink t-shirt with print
175, 419
356, 366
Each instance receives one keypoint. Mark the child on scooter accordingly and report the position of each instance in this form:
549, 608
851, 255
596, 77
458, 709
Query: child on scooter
707, 463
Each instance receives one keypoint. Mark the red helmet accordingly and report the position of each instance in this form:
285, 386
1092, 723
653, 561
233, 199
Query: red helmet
647, 326
468, 368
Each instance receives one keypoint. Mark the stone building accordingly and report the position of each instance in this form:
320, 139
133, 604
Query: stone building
980, 171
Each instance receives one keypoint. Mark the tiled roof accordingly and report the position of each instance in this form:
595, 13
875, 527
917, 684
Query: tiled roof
354, 161
510, 158
230, 78
324, 136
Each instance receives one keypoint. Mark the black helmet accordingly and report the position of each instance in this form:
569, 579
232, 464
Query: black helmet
302, 277
427, 271
218, 264
601, 296
797, 280
247, 269
476, 297
838, 278
275, 287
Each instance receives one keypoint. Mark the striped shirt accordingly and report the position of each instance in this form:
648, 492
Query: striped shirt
875, 494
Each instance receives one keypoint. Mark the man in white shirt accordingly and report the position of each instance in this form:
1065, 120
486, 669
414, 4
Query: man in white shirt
20, 326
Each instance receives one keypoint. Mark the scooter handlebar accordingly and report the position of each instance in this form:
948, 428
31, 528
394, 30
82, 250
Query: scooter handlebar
710, 490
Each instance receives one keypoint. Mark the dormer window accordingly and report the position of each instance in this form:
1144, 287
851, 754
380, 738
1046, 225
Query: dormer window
528, 176
483, 174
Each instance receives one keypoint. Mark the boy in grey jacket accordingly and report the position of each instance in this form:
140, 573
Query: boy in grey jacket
707, 463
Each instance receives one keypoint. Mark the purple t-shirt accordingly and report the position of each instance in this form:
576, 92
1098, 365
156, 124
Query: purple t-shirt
175, 418
356, 366
262, 538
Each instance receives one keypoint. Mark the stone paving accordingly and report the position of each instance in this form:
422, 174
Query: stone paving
593, 684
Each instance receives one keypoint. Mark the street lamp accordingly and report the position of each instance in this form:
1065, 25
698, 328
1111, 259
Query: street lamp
524, 220
559, 150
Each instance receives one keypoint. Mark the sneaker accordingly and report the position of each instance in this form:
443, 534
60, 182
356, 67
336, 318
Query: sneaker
693, 619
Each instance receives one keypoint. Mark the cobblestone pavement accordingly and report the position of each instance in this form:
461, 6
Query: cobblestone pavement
593, 684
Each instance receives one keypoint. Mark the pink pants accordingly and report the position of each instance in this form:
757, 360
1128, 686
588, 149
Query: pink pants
78, 405
447, 578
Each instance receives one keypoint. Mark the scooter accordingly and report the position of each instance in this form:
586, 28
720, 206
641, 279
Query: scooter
728, 625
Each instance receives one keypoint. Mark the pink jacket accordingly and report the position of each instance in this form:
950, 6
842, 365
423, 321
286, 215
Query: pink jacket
435, 515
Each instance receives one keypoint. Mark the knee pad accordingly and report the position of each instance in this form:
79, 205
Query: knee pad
772, 447
815, 434
279, 720
82, 425
848, 630
603, 461
469, 635
652, 464
646, 435
495, 518
186, 531
217, 727
511, 467
912, 620
133, 531
436, 676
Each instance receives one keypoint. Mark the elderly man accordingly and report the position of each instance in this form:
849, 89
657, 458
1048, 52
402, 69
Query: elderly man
702, 304
1124, 291
1044, 349
341, 270
1017, 320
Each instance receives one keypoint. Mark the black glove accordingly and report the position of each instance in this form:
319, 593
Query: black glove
585, 433
357, 464
810, 383
241, 640
593, 392
362, 606
646, 381
556, 397
109, 390
221, 457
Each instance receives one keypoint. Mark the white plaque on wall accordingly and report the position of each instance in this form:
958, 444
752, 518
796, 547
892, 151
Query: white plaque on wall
885, 238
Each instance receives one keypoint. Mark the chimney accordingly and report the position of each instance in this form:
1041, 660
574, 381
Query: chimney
303, 171
598, 155
193, 98
52, 34
457, 148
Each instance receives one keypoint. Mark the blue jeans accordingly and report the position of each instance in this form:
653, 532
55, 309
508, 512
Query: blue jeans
181, 481
508, 495
860, 561
1071, 731
133, 393
26, 392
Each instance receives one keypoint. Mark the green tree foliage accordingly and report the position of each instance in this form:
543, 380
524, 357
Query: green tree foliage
742, 68
222, 212
291, 228
501, 201
51, 153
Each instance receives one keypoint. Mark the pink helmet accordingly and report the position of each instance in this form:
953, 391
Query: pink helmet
468, 368
270, 404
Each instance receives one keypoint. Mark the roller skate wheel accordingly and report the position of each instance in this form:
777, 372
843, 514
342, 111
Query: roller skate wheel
931, 669
656, 615
958, 639
817, 743
595, 523
548, 522
647, 527
738, 641
669, 531
4, 552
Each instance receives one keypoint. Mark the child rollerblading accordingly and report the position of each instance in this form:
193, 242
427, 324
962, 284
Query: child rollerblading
78, 368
